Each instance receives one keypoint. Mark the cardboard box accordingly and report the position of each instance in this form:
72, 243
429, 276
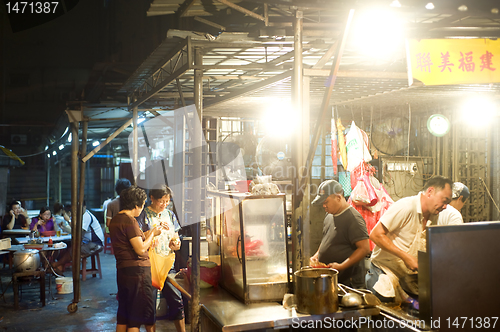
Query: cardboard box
5, 243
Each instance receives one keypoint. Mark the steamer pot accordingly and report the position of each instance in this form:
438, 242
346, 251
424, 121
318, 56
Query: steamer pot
316, 290
26, 260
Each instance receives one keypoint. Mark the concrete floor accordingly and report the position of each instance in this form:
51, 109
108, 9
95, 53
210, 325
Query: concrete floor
96, 309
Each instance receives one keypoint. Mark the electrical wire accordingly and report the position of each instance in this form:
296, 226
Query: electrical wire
489, 194
53, 145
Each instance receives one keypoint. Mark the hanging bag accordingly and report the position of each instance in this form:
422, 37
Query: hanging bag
357, 151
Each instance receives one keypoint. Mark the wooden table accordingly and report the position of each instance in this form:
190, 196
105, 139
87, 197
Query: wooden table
24, 240
16, 232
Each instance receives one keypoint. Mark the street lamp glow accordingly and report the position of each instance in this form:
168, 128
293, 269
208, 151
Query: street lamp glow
478, 112
395, 4
378, 33
279, 119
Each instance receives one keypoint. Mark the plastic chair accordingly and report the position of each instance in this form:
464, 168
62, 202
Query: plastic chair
107, 244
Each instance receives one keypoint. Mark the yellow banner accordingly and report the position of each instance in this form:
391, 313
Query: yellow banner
453, 61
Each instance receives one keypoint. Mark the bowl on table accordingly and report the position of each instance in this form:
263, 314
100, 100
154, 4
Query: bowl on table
37, 246
48, 233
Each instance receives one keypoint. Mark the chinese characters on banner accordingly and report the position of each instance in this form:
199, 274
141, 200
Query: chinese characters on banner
453, 61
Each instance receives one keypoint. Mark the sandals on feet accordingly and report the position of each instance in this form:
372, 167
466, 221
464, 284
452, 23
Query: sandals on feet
58, 270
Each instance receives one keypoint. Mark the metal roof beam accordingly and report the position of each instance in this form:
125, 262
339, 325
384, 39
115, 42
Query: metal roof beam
254, 87
385, 93
357, 74
109, 139
210, 23
165, 73
184, 7
244, 11
328, 54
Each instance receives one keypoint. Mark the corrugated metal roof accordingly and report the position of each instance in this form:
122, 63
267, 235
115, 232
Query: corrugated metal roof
239, 59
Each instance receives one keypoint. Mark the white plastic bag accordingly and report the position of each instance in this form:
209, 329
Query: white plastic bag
357, 151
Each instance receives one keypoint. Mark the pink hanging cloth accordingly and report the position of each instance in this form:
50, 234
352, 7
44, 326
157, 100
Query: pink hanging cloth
334, 146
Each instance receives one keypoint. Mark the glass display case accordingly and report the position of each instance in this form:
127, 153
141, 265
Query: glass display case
251, 232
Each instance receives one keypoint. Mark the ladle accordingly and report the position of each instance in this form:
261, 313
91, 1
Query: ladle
368, 297
350, 299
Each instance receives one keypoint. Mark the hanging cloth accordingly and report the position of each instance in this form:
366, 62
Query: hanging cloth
341, 140
357, 150
333, 134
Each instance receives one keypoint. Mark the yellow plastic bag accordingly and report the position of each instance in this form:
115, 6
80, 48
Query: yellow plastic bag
160, 266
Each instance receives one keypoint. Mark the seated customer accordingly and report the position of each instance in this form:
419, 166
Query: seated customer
15, 218
92, 240
92, 234
43, 222
62, 219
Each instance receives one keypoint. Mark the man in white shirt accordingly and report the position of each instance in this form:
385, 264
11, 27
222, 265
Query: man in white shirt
92, 240
451, 215
399, 235
91, 228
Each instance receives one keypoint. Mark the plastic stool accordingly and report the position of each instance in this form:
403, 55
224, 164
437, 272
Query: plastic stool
96, 268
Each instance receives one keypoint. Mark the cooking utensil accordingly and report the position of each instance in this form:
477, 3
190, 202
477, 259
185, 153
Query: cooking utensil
179, 287
367, 296
26, 260
350, 299
316, 291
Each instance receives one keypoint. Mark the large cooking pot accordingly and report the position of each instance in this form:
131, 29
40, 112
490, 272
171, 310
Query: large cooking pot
316, 291
26, 260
